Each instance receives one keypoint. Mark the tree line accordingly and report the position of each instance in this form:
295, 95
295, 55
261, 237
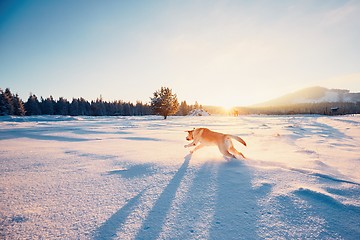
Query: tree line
12, 104
164, 103
323, 108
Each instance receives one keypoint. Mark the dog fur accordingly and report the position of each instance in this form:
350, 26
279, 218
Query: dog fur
202, 137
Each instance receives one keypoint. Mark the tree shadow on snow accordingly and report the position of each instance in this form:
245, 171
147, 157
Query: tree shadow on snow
139, 170
197, 209
109, 228
236, 210
152, 225
154, 222
39, 133
342, 220
220, 204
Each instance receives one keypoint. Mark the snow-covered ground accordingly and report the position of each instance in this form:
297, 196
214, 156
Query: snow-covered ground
132, 178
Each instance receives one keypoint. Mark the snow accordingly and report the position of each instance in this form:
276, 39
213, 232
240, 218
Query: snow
131, 178
198, 112
329, 96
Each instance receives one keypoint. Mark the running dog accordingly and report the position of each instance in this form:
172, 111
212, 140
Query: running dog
206, 137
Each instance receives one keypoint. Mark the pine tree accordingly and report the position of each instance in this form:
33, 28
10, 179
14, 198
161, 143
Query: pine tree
62, 107
48, 106
164, 102
184, 109
126, 109
18, 104
84, 107
196, 106
74, 107
32, 106
2, 103
8, 102
98, 107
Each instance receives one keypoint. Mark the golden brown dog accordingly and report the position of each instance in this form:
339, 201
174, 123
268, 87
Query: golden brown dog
206, 137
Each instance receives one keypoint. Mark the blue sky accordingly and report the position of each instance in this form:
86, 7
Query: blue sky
215, 52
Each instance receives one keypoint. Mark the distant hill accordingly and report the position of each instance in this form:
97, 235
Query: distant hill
313, 95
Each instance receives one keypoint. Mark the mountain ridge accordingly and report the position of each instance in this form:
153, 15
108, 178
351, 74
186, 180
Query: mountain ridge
315, 94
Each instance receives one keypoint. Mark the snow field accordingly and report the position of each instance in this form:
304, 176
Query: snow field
131, 178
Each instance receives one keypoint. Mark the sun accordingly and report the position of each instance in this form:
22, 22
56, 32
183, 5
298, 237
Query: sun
228, 108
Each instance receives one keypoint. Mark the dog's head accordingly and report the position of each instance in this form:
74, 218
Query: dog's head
190, 135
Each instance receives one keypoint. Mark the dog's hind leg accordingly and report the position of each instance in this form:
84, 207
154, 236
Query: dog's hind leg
231, 150
236, 152
225, 152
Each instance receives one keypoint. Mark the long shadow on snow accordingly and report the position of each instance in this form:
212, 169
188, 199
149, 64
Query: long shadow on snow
342, 221
317, 129
152, 225
109, 228
197, 210
39, 134
134, 171
44, 132
142, 139
236, 210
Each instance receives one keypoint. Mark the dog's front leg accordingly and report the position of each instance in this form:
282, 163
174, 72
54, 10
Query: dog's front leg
190, 144
197, 148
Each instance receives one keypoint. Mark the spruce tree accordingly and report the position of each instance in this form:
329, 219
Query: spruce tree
8, 99
32, 106
74, 107
62, 107
48, 106
164, 102
18, 104
183, 109
2, 103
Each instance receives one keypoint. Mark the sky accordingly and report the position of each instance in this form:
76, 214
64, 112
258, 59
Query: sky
222, 53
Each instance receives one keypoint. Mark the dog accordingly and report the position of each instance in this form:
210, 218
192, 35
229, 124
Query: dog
206, 137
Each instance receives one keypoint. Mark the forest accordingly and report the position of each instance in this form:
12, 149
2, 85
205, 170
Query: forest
12, 104
322, 108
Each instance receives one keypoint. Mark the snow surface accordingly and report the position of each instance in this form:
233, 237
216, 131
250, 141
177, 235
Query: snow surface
198, 112
329, 96
131, 178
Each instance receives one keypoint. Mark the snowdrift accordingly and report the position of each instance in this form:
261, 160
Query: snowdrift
198, 112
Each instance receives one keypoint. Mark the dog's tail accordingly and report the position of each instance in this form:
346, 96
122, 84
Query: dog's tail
238, 139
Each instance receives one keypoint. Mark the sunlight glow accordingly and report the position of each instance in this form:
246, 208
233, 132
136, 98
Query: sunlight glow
228, 108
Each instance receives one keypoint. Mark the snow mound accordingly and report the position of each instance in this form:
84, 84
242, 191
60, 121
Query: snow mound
198, 112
